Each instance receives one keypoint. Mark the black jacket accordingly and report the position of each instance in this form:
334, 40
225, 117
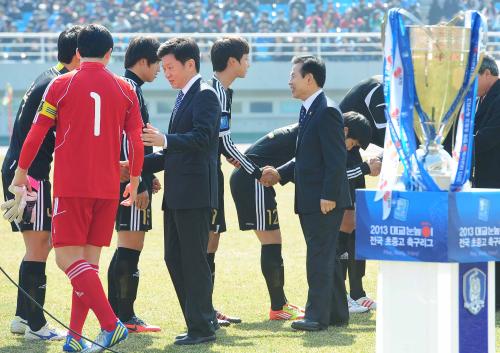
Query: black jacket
40, 168
319, 168
190, 159
486, 173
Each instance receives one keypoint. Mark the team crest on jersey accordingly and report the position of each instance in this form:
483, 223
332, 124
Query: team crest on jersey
224, 121
474, 290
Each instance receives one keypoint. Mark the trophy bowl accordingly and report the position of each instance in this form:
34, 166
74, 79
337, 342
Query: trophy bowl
439, 56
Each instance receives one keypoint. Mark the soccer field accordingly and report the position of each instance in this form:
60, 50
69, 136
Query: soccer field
239, 290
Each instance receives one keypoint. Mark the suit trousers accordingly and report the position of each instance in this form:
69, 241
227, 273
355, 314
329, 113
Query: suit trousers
186, 239
326, 298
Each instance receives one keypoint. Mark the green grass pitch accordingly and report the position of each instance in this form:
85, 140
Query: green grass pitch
239, 290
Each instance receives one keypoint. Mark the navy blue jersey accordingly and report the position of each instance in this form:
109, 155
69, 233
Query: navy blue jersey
40, 168
136, 82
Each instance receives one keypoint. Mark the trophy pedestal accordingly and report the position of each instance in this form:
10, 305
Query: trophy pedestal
436, 287
417, 312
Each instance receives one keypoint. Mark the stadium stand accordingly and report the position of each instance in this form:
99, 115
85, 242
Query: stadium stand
334, 26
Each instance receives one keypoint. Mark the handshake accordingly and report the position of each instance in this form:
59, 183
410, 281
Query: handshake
270, 176
21, 207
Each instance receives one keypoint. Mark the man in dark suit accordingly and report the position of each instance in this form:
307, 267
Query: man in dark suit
189, 158
486, 167
321, 192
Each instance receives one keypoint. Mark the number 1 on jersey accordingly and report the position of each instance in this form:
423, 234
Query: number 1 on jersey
97, 113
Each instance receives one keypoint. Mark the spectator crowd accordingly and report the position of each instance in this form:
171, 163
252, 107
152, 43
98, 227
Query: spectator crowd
208, 16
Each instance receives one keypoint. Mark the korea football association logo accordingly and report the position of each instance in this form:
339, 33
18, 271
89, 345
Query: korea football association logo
474, 290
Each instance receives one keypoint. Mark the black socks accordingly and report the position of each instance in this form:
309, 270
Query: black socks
34, 282
271, 264
125, 275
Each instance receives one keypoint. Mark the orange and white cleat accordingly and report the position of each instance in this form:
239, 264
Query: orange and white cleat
231, 319
136, 325
288, 312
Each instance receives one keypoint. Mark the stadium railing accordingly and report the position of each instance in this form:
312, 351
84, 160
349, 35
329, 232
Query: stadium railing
42, 47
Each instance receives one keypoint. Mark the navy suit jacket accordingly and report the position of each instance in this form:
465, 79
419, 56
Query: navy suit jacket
319, 168
487, 141
190, 159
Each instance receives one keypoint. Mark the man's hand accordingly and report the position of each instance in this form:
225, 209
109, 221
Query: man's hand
131, 192
124, 171
270, 176
234, 162
156, 185
21, 179
142, 200
327, 205
151, 136
375, 165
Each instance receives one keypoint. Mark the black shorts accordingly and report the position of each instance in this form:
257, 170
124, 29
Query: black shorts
43, 206
131, 218
218, 217
353, 159
255, 204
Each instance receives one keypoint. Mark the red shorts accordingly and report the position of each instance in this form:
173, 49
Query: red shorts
79, 221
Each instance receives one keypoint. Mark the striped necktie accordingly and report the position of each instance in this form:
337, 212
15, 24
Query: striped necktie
302, 117
178, 101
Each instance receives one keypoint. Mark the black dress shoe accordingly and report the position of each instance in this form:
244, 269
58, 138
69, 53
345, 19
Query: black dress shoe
188, 340
307, 325
181, 336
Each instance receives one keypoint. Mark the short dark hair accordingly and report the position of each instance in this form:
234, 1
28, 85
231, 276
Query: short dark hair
225, 48
312, 65
66, 44
490, 64
359, 128
94, 41
183, 49
141, 48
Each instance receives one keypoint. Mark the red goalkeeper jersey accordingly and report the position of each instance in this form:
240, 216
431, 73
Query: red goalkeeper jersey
90, 107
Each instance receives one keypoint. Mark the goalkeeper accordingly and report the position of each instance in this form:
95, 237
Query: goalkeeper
35, 226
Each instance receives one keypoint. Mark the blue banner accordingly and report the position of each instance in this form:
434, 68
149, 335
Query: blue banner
474, 226
429, 226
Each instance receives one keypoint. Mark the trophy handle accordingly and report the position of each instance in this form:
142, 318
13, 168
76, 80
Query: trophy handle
441, 131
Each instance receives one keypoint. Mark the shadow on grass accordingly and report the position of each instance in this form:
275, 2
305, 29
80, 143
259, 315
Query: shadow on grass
363, 319
334, 336
28, 346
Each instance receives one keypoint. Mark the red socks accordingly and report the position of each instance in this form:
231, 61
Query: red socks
88, 293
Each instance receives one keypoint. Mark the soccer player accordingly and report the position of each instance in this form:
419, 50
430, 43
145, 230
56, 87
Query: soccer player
132, 223
366, 98
29, 319
89, 107
229, 61
257, 208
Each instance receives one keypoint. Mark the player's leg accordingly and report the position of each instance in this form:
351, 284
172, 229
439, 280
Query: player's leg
80, 228
357, 269
33, 278
130, 244
36, 236
217, 227
213, 243
346, 256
